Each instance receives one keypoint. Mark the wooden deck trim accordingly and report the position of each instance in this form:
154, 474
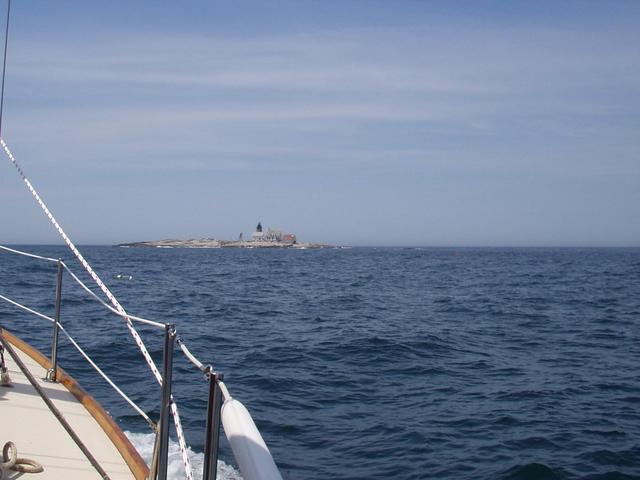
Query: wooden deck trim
129, 453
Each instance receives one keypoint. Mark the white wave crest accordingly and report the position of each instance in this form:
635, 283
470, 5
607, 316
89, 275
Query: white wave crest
144, 444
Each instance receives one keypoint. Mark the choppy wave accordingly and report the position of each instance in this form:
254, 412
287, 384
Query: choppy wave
455, 364
176, 471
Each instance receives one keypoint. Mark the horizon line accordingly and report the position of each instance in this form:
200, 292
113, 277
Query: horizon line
348, 246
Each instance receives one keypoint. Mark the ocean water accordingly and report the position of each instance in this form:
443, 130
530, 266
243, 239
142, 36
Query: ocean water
364, 363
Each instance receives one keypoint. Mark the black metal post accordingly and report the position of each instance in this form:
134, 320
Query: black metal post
153, 468
165, 407
212, 435
51, 374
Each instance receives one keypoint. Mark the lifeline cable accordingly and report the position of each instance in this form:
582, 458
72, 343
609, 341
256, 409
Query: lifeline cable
84, 287
187, 353
107, 306
25, 254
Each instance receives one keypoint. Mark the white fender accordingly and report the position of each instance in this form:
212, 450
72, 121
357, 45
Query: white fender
249, 449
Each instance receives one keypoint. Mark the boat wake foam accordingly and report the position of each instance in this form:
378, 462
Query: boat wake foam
144, 444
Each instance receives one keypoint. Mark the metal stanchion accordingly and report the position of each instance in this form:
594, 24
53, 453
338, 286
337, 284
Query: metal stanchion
51, 374
165, 407
212, 435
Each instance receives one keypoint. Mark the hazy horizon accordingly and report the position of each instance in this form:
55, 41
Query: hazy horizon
117, 245
363, 123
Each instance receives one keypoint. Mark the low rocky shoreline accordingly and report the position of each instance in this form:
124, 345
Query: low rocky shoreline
214, 243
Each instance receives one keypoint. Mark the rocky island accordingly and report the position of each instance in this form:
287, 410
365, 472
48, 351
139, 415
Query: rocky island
259, 239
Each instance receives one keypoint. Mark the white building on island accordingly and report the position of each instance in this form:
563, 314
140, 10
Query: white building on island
275, 236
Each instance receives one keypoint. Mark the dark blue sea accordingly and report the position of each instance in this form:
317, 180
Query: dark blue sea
374, 363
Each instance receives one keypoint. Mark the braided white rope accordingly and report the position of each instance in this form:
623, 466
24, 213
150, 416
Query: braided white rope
87, 358
112, 299
181, 440
85, 264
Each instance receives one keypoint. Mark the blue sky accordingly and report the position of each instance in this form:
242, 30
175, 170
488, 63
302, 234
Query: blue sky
349, 122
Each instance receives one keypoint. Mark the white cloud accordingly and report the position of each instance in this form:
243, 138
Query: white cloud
446, 102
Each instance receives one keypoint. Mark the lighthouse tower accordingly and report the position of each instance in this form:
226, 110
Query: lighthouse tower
258, 235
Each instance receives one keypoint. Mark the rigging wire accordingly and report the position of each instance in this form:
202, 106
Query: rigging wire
4, 62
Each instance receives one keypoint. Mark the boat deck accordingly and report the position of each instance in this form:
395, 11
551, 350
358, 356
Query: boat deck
38, 434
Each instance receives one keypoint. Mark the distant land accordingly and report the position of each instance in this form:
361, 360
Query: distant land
259, 239
213, 243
